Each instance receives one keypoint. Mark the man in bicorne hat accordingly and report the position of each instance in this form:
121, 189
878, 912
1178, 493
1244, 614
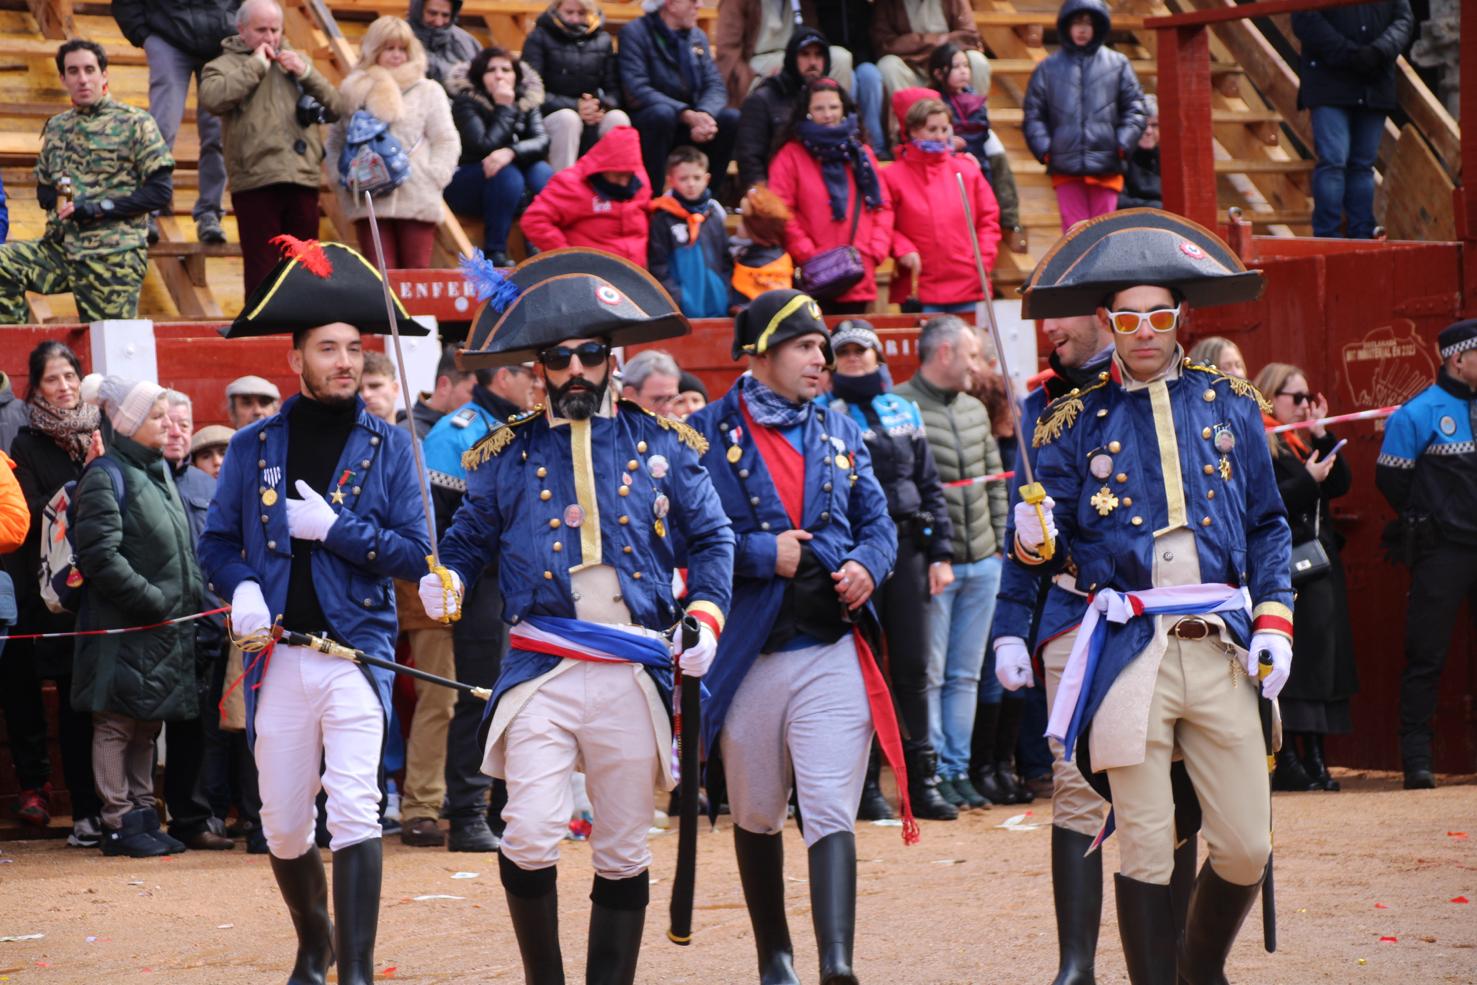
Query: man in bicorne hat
796, 693
581, 503
315, 512
1161, 497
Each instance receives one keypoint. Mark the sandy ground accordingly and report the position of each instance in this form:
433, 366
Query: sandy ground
1367, 884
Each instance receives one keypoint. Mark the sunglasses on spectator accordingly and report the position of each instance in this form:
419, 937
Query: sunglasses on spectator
1160, 320
1298, 399
588, 353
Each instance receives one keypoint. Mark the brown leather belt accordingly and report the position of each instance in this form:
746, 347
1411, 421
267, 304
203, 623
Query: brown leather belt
1191, 628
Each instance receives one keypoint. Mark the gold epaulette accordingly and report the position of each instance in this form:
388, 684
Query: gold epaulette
1240, 387
496, 440
1062, 412
686, 433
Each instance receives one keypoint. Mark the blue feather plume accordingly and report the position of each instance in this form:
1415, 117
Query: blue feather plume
490, 283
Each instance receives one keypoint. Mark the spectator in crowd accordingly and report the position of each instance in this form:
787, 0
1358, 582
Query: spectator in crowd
504, 146
179, 37
14, 413
600, 202
950, 75
1347, 83
752, 42
827, 177
379, 387
760, 261
1141, 183
1310, 475
892, 427
1084, 113
270, 102
766, 111
1222, 353
688, 247
50, 450
448, 46
134, 553
102, 168
208, 448
390, 83
958, 429
691, 397
15, 521
672, 88
4, 216
575, 56
930, 235
906, 32
651, 378
849, 24
250, 398
453, 389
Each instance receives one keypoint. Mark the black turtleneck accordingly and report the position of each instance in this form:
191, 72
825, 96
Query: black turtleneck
316, 435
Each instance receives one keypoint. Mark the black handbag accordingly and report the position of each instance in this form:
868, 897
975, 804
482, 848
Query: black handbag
1309, 559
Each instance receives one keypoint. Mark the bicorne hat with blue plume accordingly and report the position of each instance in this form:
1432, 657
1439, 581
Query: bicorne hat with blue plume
559, 295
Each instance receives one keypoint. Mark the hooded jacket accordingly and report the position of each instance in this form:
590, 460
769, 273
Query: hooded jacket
196, 27
770, 106
651, 75
893, 34
1084, 110
446, 47
573, 63
14, 413
571, 212
419, 115
675, 228
1330, 71
736, 34
928, 219
485, 126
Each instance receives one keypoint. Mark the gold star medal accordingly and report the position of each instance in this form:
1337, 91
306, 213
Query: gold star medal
1225, 468
338, 497
1104, 501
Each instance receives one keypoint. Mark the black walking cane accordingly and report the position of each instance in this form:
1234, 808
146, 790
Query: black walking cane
1272, 738
689, 726
288, 637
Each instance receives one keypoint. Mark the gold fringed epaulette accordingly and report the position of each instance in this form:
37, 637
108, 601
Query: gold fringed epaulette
494, 441
1060, 415
686, 433
1240, 387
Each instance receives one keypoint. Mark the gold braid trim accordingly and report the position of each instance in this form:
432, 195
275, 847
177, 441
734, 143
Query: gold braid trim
494, 441
1060, 415
1240, 387
686, 433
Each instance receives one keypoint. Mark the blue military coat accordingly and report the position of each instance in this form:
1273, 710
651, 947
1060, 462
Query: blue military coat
844, 508
380, 535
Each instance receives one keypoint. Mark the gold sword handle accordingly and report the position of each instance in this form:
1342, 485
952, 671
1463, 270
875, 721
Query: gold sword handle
448, 591
1035, 494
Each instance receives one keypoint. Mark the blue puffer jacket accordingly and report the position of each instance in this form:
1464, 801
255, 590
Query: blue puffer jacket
1084, 109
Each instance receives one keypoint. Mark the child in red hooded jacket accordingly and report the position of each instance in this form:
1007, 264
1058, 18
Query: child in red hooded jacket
600, 202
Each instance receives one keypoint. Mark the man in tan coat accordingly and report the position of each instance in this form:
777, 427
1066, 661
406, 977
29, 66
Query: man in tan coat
905, 33
271, 103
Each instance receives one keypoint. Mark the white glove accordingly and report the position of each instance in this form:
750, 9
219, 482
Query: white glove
249, 610
309, 518
1013, 663
696, 659
437, 602
1028, 525
1280, 647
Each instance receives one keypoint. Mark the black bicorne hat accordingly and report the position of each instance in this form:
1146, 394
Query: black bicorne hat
562, 294
778, 316
1131, 248
317, 284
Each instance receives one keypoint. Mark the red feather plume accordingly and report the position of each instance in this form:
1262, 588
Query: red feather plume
308, 252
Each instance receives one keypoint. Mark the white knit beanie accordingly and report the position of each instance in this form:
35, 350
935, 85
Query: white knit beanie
127, 403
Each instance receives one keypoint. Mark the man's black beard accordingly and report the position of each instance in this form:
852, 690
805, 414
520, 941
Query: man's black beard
330, 402
578, 398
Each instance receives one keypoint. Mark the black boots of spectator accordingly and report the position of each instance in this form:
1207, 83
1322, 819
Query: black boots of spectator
533, 907
997, 725
833, 904
761, 865
1217, 910
357, 872
1317, 769
923, 783
1077, 886
305, 891
874, 806
616, 920
1146, 927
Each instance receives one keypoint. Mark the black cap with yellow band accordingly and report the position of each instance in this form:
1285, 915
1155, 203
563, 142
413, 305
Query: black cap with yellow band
778, 316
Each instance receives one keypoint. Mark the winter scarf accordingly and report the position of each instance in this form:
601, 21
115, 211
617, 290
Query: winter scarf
70, 429
933, 147
692, 212
377, 89
608, 189
768, 408
859, 391
835, 147
1291, 439
668, 38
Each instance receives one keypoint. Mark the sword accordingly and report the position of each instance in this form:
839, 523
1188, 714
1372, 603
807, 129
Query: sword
1032, 492
433, 560
689, 740
324, 645
1272, 735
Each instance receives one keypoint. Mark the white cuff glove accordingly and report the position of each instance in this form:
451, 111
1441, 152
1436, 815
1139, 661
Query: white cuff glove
249, 610
1280, 647
437, 602
1013, 663
1028, 529
309, 518
695, 660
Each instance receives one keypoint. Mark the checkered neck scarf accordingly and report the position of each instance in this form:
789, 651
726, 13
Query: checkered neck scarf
768, 408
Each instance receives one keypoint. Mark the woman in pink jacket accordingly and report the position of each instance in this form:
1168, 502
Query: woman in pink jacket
824, 172
930, 236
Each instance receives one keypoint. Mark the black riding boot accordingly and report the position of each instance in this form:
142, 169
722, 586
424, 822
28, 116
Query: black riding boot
874, 806
833, 904
1289, 774
616, 921
304, 889
533, 905
923, 783
1182, 882
761, 865
982, 753
1146, 927
1077, 885
357, 874
1314, 764
1006, 734
1217, 910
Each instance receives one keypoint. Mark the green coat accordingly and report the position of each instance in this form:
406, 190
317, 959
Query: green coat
138, 569
963, 447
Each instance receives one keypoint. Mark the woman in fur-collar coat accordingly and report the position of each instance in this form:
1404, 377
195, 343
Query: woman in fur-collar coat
390, 82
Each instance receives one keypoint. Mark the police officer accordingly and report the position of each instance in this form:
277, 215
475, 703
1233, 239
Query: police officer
581, 503
1427, 469
315, 512
796, 692
1166, 505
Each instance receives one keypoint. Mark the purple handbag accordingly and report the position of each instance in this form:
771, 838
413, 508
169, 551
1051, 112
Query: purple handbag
835, 271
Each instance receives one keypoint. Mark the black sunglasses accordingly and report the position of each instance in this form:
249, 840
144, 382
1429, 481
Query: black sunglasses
589, 353
1298, 399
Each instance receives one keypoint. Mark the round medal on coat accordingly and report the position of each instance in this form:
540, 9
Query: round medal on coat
1225, 440
1448, 425
657, 465
574, 515
661, 505
1101, 466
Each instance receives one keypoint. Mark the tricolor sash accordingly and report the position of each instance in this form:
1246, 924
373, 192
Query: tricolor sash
579, 639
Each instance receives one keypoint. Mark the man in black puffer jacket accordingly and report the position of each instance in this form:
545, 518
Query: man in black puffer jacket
1084, 113
179, 37
582, 82
769, 107
1348, 84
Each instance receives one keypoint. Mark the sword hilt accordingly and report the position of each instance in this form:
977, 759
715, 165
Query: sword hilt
1035, 494
448, 591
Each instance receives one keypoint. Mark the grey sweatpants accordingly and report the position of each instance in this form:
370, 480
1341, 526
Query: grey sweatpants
801, 717
169, 88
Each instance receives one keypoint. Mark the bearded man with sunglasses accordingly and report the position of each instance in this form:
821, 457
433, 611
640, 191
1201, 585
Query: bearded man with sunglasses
581, 503
1163, 506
